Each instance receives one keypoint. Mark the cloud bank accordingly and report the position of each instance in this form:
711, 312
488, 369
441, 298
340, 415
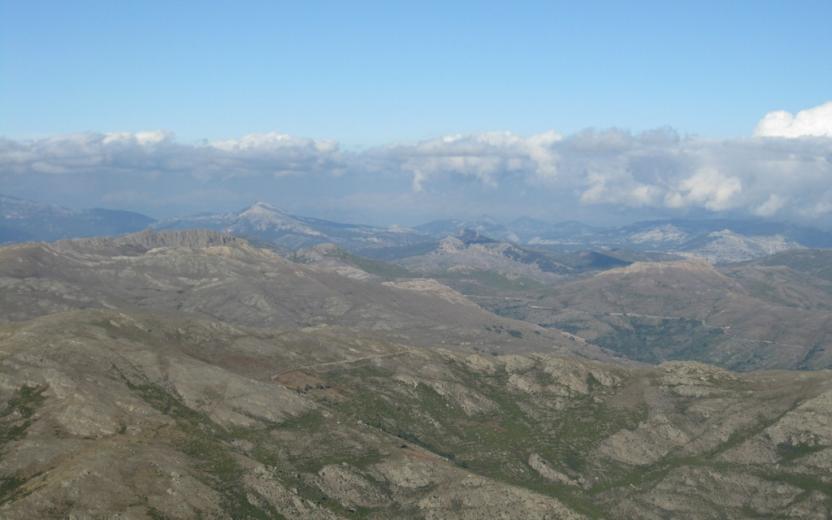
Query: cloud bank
158, 152
783, 172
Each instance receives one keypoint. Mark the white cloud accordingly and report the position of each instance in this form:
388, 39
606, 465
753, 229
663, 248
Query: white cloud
707, 188
141, 138
812, 122
609, 171
770, 207
141, 153
273, 141
485, 157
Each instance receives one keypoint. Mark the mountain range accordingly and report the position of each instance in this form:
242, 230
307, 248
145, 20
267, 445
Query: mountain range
265, 223
715, 240
208, 274
23, 220
191, 373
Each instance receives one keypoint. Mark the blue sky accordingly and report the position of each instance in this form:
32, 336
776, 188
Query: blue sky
367, 73
402, 112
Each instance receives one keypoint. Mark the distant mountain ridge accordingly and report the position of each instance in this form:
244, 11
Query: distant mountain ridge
24, 220
209, 274
264, 222
715, 240
474, 263
772, 313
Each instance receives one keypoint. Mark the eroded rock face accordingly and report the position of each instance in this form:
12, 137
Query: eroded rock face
268, 491
410, 473
651, 441
431, 286
232, 400
809, 424
116, 480
542, 467
476, 498
705, 493
350, 488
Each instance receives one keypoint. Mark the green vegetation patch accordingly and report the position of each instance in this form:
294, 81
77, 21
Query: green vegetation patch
15, 418
804, 482
656, 340
790, 452
17, 414
10, 488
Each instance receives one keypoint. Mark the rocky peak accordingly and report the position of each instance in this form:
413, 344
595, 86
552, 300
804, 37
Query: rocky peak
470, 236
262, 216
262, 211
143, 241
667, 233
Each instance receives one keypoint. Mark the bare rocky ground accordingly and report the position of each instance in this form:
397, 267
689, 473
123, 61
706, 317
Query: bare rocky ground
109, 414
117, 403
220, 277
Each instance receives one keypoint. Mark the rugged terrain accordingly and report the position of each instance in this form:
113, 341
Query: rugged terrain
476, 264
271, 225
136, 415
741, 316
190, 374
714, 240
222, 277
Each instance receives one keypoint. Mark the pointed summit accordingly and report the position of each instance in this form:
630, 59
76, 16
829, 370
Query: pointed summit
262, 216
261, 208
264, 205
267, 223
